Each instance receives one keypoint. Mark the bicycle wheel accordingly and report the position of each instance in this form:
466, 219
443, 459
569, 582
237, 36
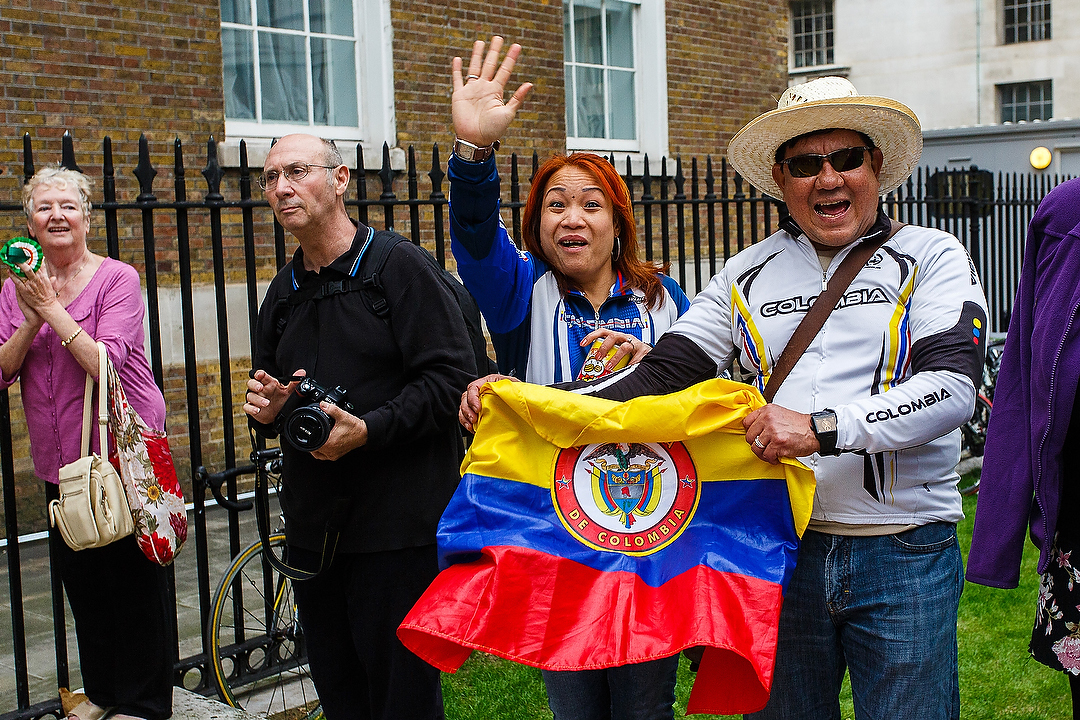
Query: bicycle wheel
257, 653
974, 431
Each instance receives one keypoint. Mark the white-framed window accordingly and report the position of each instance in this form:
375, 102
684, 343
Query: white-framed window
614, 58
1026, 101
320, 66
1026, 20
812, 33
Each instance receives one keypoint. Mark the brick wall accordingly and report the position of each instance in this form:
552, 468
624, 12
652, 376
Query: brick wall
727, 63
118, 68
428, 33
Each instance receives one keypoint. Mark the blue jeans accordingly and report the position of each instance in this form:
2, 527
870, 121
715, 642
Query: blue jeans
642, 691
883, 608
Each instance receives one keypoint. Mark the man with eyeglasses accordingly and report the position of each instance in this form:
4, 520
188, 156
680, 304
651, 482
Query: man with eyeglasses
361, 507
872, 405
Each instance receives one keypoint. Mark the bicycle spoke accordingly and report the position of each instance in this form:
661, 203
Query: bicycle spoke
265, 670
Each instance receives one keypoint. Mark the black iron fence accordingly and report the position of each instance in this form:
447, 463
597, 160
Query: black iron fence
227, 243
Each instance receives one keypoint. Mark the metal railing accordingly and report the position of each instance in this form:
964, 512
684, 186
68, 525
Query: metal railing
693, 220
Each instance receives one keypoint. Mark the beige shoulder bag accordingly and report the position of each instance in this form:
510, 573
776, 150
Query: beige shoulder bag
93, 508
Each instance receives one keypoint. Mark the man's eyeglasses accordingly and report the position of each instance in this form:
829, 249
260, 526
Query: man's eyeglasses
809, 165
292, 173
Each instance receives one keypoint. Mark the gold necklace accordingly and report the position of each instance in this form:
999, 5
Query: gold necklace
68, 281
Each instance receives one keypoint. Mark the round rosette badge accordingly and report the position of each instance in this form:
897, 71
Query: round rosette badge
633, 498
21, 250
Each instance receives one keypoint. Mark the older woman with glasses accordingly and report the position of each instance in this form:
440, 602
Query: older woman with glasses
50, 323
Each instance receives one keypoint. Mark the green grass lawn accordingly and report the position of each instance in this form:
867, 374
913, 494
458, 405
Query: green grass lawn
998, 681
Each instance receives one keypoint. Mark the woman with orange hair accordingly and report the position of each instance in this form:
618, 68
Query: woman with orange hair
578, 280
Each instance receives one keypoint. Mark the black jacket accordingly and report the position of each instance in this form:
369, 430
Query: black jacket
404, 376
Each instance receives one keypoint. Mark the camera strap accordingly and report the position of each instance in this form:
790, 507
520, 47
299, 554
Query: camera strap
338, 517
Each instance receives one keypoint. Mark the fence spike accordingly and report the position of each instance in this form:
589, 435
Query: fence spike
386, 174
112, 233
361, 184
145, 172
437, 175
213, 172
67, 153
245, 172
28, 158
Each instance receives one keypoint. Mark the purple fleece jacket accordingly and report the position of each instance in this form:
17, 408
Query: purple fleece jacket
1036, 388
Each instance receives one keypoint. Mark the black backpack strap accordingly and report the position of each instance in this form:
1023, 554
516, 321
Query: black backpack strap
372, 261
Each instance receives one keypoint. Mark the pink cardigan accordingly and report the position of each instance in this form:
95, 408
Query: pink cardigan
110, 309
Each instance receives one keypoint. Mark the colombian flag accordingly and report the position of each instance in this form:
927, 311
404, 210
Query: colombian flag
590, 534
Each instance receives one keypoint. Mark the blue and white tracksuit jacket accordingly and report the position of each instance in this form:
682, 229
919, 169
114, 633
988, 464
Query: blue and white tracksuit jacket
535, 329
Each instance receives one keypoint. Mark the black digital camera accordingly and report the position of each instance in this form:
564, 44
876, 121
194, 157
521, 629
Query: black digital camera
308, 427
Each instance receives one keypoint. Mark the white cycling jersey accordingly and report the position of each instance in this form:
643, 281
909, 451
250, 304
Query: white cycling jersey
897, 360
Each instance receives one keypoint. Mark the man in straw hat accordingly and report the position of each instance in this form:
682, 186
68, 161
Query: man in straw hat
872, 404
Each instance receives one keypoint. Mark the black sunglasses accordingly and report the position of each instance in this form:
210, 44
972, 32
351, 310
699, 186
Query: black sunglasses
809, 165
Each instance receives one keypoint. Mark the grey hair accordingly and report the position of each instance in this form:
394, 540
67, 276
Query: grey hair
333, 155
62, 178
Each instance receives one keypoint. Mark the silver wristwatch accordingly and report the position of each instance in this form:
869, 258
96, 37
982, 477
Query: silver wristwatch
468, 152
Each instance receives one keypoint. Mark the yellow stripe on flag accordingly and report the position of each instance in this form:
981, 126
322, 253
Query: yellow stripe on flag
522, 427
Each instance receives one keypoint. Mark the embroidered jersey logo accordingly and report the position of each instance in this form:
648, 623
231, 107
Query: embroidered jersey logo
799, 304
874, 261
610, 323
633, 498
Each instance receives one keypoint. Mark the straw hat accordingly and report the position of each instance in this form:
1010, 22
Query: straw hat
823, 104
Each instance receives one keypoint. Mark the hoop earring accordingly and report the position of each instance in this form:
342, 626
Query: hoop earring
616, 249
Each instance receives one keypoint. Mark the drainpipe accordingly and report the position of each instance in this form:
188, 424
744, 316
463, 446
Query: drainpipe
978, 62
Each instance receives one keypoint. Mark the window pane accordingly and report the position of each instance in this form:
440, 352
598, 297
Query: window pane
590, 103
1026, 20
333, 77
620, 34
236, 11
587, 37
812, 32
601, 102
1026, 101
331, 16
285, 14
239, 72
567, 13
571, 124
621, 117
284, 77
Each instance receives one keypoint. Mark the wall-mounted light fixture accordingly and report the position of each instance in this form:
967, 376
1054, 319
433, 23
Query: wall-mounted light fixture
1040, 158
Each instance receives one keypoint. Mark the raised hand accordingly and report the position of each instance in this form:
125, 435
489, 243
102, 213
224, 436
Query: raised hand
479, 113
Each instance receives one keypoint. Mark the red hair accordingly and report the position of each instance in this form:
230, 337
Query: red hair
635, 272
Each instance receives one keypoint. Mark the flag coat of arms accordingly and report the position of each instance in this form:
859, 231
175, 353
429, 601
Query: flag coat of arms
590, 534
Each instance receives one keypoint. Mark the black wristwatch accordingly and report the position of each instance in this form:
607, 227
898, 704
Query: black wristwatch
468, 152
823, 424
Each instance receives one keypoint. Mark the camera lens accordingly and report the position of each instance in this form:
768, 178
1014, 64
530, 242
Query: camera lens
308, 428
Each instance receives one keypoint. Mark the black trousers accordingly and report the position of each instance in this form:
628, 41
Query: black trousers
123, 624
350, 614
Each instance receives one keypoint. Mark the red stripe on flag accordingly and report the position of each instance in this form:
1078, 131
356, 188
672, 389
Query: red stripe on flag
557, 614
